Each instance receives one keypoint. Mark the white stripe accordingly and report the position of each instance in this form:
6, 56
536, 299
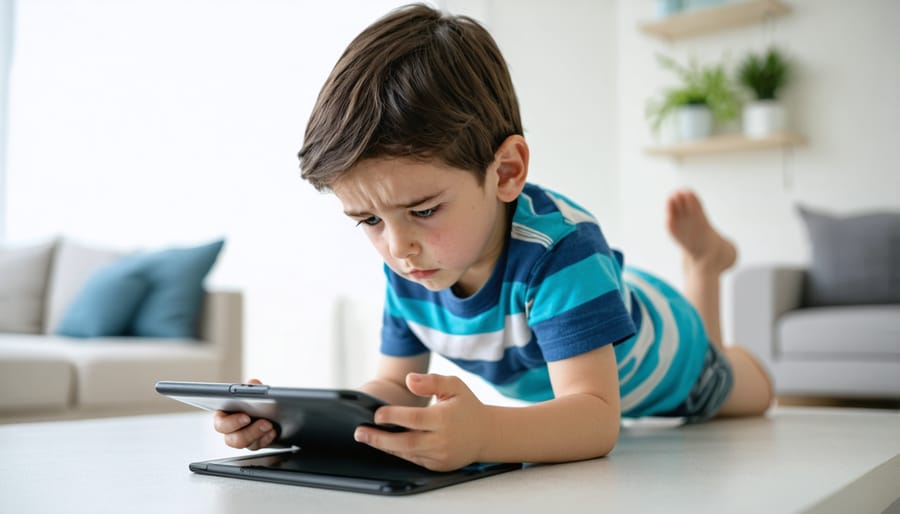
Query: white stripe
571, 214
488, 346
626, 296
668, 344
641, 344
523, 233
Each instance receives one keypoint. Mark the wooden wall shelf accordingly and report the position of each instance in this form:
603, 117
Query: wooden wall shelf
712, 19
727, 144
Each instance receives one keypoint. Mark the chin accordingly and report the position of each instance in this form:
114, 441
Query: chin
434, 287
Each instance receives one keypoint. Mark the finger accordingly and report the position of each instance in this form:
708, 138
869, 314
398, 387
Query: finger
402, 444
431, 384
263, 441
226, 423
250, 436
414, 418
254, 381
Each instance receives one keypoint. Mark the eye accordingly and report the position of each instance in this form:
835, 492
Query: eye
425, 213
370, 221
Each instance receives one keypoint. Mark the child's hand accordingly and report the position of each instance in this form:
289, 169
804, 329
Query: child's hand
239, 433
446, 435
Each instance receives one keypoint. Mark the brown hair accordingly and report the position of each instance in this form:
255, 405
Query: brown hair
416, 84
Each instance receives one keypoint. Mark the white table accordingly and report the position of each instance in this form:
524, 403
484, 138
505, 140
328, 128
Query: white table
790, 461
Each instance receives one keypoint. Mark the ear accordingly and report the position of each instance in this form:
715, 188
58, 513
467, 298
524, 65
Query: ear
511, 161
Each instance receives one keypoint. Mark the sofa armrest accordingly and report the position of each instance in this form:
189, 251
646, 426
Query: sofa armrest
222, 325
762, 294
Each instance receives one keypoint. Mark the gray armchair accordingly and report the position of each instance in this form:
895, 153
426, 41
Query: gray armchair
836, 351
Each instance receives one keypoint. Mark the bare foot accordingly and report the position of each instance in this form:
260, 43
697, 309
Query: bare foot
705, 250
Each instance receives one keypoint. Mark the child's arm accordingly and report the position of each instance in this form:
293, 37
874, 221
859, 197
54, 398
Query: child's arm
581, 422
389, 383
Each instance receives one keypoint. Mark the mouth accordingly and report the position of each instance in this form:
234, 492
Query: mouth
422, 274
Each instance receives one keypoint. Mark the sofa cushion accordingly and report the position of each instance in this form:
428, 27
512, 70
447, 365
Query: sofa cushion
858, 332
854, 259
73, 264
23, 283
33, 375
118, 371
39, 372
154, 294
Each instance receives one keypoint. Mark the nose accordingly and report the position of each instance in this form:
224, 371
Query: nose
401, 242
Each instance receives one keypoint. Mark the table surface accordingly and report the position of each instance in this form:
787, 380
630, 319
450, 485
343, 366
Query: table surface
789, 461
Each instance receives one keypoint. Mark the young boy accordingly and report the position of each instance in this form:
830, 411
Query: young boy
417, 132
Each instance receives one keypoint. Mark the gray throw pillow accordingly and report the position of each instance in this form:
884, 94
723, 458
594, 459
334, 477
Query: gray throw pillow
855, 259
23, 282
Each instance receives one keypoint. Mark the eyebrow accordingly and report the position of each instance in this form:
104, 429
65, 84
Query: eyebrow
407, 205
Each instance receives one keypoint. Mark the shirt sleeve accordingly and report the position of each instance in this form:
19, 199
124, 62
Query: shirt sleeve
397, 340
576, 297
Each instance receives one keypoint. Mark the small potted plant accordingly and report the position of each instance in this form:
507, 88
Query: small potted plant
706, 94
764, 76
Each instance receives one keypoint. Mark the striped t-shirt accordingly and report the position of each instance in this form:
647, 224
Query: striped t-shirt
557, 291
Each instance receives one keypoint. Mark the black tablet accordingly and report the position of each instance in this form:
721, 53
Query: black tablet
303, 417
317, 425
369, 471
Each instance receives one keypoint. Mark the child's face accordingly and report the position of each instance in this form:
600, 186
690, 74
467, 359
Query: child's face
432, 224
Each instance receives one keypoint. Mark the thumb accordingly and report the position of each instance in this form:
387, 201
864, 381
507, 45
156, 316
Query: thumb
430, 384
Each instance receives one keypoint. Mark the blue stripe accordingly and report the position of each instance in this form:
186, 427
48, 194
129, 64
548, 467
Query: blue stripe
575, 285
397, 340
606, 321
438, 317
539, 201
574, 249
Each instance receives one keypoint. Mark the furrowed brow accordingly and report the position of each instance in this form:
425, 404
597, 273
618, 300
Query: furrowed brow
405, 205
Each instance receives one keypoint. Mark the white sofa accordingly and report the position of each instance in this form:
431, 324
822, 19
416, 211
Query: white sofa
44, 376
849, 351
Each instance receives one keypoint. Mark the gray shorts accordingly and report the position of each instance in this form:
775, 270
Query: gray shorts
710, 390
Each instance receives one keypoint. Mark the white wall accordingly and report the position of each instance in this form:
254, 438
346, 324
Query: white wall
149, 123
843, 98
7, 15
562, 57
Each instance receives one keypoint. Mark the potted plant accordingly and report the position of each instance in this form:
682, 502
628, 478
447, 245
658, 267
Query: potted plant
764, 76
706, 94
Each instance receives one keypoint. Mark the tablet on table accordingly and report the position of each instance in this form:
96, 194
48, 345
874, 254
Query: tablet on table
316, 427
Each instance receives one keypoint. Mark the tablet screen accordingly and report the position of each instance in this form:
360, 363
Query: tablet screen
368, 471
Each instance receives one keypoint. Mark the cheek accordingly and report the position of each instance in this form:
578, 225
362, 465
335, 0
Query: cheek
451, 246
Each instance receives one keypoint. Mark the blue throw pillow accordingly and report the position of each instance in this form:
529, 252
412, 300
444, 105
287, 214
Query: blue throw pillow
105, 305
156, 294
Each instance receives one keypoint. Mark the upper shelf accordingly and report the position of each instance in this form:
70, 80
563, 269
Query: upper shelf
712, 19
727, 143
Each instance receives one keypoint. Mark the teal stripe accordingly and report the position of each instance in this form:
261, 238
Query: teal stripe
432, 315
687, 363
551, 224
575, 285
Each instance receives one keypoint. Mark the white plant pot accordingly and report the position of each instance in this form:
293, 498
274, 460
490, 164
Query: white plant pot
694, 122
763, 118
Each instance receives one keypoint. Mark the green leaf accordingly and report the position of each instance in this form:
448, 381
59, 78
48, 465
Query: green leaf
708, 85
